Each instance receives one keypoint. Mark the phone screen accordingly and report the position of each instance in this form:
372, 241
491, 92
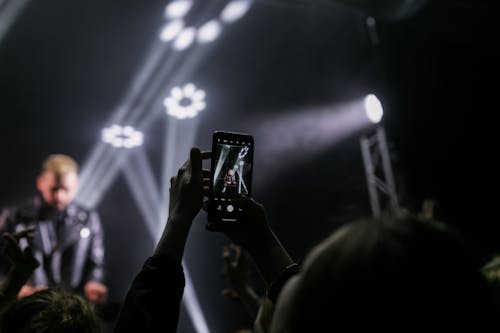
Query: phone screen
231, 176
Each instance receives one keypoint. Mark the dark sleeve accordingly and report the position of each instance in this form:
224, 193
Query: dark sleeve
97, 255
153, 301
6, 220
5, 226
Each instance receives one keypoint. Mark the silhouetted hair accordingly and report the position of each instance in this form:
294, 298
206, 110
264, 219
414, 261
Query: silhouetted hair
491, 272
50, 311
380, 272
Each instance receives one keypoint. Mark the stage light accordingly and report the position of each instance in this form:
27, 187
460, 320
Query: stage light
185, 102
85, 232
122, 137
184, 39
235, 10
209, 31
178, 9
171, 30
373, 108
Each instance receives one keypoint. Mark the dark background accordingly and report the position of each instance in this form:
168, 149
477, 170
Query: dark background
65, 65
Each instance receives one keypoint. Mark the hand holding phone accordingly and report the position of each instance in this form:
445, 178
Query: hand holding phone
230, 177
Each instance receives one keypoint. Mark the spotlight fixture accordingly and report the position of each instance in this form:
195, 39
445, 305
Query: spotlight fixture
171, 30
235, 10
373, 108
182, 36
209, 31
122, 136
185, 102
185, 39
178, 9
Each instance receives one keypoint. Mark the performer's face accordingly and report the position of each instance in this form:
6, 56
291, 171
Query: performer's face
57, 190
229, 172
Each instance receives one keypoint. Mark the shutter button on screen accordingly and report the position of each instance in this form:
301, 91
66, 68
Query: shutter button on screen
230, 208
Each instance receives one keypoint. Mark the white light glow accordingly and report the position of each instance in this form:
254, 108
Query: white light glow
122, 137
312, 131
85, 233
209, 31
141, 181
193, 304
178, 8
171, 30
235, 10
185, 39
373, 108
185, 102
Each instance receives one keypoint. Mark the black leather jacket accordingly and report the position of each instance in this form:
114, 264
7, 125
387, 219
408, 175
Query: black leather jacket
69, 245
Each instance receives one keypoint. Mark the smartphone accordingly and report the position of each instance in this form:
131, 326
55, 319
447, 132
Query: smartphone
230, 178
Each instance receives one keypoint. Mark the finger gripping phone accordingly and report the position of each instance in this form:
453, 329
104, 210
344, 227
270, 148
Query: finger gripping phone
230, 178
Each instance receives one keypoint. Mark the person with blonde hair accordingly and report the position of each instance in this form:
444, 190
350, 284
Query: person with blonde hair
68, 239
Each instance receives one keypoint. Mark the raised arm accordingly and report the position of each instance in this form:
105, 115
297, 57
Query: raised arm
272, 259
153, 301
23, 265
236, 272
186, 199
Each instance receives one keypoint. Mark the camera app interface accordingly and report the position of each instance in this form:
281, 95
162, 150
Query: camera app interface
232, 176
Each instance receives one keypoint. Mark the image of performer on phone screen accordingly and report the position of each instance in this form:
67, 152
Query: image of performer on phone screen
230, 184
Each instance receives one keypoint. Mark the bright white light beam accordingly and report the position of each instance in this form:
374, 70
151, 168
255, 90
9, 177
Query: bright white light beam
140, 179
309, 131
179, 138
193, 305
107, 178
93, 170
9, 13
220, 162
95, 161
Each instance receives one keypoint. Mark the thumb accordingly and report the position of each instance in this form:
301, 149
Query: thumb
195, 159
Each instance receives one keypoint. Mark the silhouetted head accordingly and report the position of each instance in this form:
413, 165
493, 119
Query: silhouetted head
381, 272
50, 311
